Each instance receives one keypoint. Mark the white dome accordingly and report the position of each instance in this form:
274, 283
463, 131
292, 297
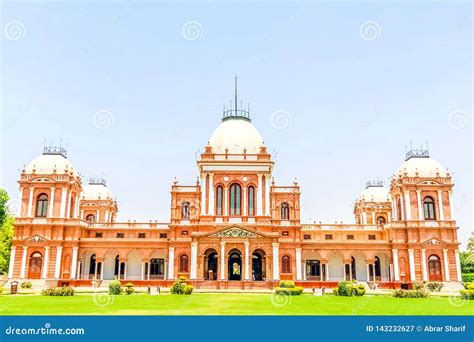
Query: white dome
235, 134
422, 167
49, 164
96, 191
375, 194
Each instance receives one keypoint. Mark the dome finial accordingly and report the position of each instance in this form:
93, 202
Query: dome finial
234, 111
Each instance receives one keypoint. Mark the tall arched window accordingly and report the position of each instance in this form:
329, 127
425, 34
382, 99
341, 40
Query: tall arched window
429, 208
285, 211
90, 218
235, 195
185, 211
42, 205
251, 200
285, 264
219, 191
183, 263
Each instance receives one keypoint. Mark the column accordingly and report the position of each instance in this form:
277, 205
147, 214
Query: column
421, 217
149, 271
276, 261
194, 254
267, 195
62, 211
451, 205
30, 203
203, 193
423, 265
327, 271
12, 262
170, 263
106, 218
82, 215
211, 195
79, 270
350, 271
367, 265
446, 265
222, 260
69, 202
57, 270
298, 264
226, 199
247, 260
440, 206
76, 209
259, 196
142, 275
373, 218
407, 205
20, 201
51, 203
390, 271
23, 262
45, 262
364, 218
125, 270
97, 216
75, 249
244, 201
402, 207
411, 262
458, 265
394, 209
396, 270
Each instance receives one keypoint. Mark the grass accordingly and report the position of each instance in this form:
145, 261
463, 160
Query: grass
229, 304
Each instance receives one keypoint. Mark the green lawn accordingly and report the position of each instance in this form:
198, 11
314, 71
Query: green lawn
229, 304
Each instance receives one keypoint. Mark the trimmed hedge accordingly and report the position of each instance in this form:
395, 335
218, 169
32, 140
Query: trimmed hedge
180, 287
115, 287
435, 286
420, 293
129, 288
349, 289
467, 277
26, 285
287, 284
467, 294
58, 291
289, 291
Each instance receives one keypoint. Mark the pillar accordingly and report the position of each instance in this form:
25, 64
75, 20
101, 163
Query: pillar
458, 265
373, 218
402, 207
62, 210
69, 202
390, 271
421, 216
446, 265
298, 264
75, 250
259, 196
267, 195
407, 205
57, 270
211, 195
203, 193
194, 252
327, 271
451, 205
276, 261
30, 203
423, 265
142, 275
45, 262
244, 201
51, 202
222, 260
396, 270
364, 218
411, 262
367, 265
170, 264
226, 201
440, 206
76, 209
125, 270
394, 210
23, 262
12, 262
247, 260
20, 201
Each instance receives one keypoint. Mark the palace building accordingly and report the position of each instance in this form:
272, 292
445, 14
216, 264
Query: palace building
235, 226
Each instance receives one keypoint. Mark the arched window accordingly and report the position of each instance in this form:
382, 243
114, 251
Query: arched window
185, 211
183, 263
429, 208
285, 264
92, 266
42, 205
381, 220
434, 268
251, 200
219, 191
285, 211
90, 218
235, 195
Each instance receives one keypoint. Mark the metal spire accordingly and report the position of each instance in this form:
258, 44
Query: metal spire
235, 94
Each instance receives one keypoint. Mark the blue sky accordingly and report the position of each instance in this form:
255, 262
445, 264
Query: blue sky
351, 100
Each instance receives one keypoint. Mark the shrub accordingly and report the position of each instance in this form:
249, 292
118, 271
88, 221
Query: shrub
418, 286
26, 285
435, 286
420, 293
349, 289
1, 290
115, 288
470, 286
468, 277
287, 284
188, 289
360, 290
129, 288
58, 291
289, 291
467, 294
335, 291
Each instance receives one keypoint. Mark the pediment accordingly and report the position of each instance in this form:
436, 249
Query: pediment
36, 238
235, 232
42, 179
433, 242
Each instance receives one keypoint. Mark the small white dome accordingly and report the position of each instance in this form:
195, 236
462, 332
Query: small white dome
46, 164
235, 134
96, 191
375, 194
422, 167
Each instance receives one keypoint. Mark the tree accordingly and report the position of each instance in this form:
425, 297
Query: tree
6, 231
467, 257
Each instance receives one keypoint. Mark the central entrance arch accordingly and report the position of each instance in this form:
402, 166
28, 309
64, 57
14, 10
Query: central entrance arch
210, 264
34, 269
235, 265
258, 265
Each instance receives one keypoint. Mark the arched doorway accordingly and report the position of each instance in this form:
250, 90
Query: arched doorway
434, 267
210, 264
258, 265
378, 274
34, 269
235, 265
92, 267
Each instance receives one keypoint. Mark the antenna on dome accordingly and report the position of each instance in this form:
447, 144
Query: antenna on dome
234, 112
236, 93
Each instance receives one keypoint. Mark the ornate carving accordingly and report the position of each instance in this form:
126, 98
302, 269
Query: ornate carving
36, 238
235, 232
